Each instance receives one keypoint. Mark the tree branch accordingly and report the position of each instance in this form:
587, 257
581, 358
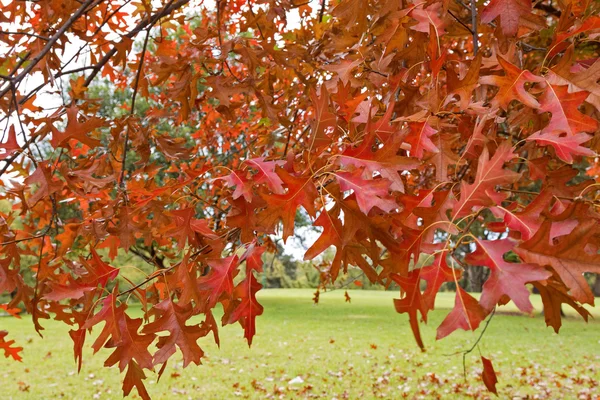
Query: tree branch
80, 11
24, 34
474, 26
162, 272
322, 10
132, 111
460, 22
172, 6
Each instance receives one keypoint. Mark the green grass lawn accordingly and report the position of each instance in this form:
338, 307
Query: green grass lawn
332, 350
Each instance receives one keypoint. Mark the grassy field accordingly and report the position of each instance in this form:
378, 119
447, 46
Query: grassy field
333, 350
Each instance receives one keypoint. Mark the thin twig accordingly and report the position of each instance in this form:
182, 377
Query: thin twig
132, 111
257, 24
465, 352
162, 272
16, 104
14, 156
299, 5
517, 191
170, 7
24, 34
289, 136
219, 37
322, 10
460, 22
487, 323
50, 43
474, 26
44, 233
108, 17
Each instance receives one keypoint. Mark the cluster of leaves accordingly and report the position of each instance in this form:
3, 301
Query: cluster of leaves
395, 126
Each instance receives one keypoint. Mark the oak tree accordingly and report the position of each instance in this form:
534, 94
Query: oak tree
399, 128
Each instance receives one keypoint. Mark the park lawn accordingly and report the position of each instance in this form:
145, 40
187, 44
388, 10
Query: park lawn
331, 350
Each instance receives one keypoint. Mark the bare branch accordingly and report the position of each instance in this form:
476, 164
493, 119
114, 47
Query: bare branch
24, 34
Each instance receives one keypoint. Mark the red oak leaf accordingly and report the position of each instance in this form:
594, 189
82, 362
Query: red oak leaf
324, 120
11, 146
76, 130
243, 187
419, 138
511, 86
348, 251
433, 211
172, 318
509, 12
266, 174
182, 231
184, 278
369, 193
133, 346
554, 294
564, 107
127, 228
489, 375
8, 346
412, 302
579, 77
505, 278
99, 272
110, 314
343, 69
490, 172
248, 308
568, 256
78, 337
11, 310
253, 257
558, 43
347, 103
186, 228
464, 87
436, 59
365, 111
383, 161
244, 217
528, 221
301, 191
8, 277
67, 238
565, 146
210, 325
201, 226
436, 275
428, 16
47, 185
134, 377
219, 281
467, 314
331, 236
69, 289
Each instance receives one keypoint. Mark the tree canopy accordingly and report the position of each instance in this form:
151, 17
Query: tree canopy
397, 128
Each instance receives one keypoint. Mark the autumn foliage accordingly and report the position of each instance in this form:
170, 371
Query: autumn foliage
395, 126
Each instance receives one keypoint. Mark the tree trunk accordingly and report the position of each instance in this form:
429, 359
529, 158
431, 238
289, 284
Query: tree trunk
475, 278
596, 286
